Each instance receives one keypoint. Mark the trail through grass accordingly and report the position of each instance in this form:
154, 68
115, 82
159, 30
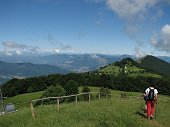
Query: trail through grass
84, 114
113, 112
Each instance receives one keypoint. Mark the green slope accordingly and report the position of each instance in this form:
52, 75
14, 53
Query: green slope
113, 112
23, 100
128, 66
156, 64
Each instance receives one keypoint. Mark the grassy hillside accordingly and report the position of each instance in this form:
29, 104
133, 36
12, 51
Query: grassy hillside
23, 100
156, 64
98, 113
128, 66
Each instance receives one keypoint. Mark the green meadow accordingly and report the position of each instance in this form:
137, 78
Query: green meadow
23, 100
110, 112
131, 70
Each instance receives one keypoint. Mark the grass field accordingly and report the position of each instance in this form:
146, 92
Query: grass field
132, 71
23, 100
112, 112
111, 70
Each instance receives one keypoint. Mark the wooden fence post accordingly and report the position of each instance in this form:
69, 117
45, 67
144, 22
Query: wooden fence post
32, 110
99, 96
89, 97
58, 104
76, 98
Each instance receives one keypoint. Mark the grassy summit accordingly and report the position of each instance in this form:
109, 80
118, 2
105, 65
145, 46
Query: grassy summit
129, 67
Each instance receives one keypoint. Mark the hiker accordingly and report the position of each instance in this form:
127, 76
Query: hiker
151, 97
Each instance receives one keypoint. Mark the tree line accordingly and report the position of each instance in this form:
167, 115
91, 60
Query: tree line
120, 82
71, 88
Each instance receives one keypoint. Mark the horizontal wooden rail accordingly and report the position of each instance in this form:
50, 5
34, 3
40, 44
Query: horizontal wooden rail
64, 96
75, 95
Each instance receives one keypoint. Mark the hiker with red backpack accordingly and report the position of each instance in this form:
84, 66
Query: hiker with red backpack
151, 98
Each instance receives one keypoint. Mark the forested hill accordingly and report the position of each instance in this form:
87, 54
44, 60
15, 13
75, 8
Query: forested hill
28, 69
156, 64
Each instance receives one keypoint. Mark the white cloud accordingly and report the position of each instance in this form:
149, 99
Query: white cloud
135, 14
131, 8
161, 40
13, 45
18, 52
13, 48
48, 51
139, 53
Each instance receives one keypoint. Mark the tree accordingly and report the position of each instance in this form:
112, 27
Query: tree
85, 90
71, 89
104, 92
53, 91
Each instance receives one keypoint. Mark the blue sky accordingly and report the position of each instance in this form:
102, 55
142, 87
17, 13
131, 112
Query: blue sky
136, 27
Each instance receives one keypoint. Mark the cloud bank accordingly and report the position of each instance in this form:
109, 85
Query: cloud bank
131, 8
161, 40
13, 45
135, 13
14, 48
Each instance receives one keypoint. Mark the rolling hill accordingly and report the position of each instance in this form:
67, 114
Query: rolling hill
23, 70
129, 67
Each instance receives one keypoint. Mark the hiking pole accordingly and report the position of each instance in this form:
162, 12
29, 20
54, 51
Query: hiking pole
156, 109
141, 107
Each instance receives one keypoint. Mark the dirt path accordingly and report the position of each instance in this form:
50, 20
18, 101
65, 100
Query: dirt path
155, 123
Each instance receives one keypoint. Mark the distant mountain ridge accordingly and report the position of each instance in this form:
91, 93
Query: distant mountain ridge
73, 62
22, 70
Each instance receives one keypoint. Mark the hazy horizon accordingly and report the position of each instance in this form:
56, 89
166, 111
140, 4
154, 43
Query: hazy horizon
134, 27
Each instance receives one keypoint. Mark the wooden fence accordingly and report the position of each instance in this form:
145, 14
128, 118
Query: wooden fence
58, 100
76, 95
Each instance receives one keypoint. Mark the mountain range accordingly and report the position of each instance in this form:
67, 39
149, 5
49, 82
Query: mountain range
72, 62
27, 66
24, 70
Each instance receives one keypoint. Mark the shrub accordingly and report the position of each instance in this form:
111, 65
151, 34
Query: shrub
53, 91
84, 90
71, 89
104, 92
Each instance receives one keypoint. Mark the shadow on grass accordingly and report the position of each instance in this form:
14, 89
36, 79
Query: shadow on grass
103, 124
141, 114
